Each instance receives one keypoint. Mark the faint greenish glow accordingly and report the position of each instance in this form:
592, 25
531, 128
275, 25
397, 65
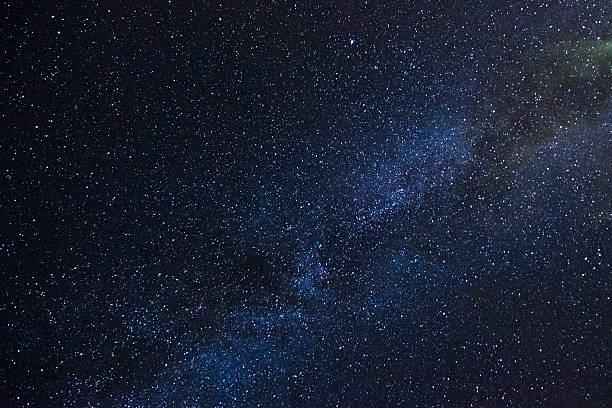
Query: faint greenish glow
584, 58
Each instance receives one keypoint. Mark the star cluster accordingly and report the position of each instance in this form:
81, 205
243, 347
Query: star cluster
306, 204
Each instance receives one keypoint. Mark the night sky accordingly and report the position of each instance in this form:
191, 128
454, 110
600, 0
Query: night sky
306, 204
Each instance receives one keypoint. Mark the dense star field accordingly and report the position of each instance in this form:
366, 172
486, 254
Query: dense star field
306, 204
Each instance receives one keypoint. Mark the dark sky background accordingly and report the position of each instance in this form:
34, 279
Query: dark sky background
306, 204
